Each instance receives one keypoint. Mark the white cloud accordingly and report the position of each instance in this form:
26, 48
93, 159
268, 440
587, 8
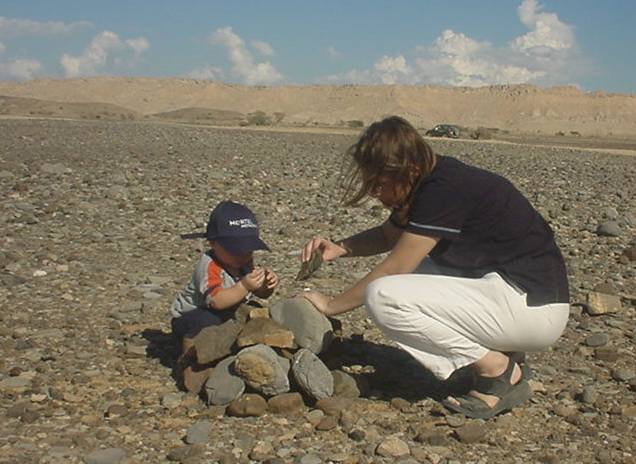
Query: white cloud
98, 53
392, 70
547, 32
333, 52
457, 59
21, 69
206, 72
12, 27
138, 45
263, 48
243, 64
545, 55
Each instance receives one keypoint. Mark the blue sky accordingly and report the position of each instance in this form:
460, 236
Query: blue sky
587, 43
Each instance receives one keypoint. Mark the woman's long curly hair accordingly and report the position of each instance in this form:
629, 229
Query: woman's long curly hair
391, 147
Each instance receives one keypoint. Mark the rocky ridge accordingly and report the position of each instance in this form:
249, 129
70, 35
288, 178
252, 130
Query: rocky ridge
520, 108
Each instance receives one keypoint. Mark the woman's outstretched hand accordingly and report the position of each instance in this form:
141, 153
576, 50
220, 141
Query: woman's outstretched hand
329, 249
320, 301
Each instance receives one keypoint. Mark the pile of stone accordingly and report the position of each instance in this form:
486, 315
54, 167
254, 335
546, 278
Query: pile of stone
268, 358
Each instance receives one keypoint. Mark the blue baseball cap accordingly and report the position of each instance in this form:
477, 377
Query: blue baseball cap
235, 228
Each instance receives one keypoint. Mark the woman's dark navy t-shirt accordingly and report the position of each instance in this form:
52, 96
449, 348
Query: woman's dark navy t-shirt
485, 224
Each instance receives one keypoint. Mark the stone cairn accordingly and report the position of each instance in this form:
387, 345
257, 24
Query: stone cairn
267, 359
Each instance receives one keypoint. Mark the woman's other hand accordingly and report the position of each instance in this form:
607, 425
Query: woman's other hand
320, 301
329, 249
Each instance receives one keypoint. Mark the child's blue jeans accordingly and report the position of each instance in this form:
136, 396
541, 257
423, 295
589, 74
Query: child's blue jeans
192, 322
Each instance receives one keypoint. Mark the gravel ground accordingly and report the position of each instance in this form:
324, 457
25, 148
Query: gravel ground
91, 258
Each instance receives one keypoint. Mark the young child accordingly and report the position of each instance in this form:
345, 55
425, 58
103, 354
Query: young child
223, 278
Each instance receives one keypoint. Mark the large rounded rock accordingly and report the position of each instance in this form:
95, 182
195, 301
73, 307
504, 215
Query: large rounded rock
287, 403
312, 330
311, 374
262, 369
223, 385
248, 405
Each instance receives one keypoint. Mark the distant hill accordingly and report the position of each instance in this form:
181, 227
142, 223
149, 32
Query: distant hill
519, 108
31, 107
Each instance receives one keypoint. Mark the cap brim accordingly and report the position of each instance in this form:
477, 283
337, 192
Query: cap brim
238, 245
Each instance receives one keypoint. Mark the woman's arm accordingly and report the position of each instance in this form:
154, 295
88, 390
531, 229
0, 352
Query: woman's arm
376, 240
373, 241
407, 254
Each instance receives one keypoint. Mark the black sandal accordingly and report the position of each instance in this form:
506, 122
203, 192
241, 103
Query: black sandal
520, 358
510, 396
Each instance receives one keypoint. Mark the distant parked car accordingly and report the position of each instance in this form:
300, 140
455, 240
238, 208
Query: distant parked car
444, 130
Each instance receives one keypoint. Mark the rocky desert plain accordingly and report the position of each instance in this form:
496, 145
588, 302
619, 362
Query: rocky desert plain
99, 177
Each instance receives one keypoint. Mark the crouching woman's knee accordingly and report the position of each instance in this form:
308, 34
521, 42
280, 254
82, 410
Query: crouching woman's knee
378, 299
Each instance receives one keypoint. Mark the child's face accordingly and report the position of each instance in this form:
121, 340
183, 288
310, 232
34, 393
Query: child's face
234, 260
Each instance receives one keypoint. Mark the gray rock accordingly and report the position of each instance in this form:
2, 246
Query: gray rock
589, 395
223, 386
53, 168
12, 383
171, 400
610, 213
622, 374
312, 330
597, 339
185, 453
199, 432
392, 447
311, 374
344, 385
106, 456
472, 432
309, 459
609, 229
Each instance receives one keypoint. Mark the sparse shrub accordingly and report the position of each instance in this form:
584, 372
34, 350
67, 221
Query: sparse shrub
575, 133
355, 124
560, 133
258, 118
278, 117
482, 133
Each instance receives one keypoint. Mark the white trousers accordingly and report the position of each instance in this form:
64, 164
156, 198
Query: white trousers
447, 322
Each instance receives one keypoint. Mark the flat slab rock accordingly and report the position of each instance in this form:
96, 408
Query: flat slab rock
267, 332
216, 342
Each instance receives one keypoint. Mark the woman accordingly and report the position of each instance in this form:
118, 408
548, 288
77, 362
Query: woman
473, 271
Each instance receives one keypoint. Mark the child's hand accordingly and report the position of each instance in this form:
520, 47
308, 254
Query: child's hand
254, 280
271, 279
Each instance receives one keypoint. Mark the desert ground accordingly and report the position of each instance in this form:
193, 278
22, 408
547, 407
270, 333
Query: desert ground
91, 212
